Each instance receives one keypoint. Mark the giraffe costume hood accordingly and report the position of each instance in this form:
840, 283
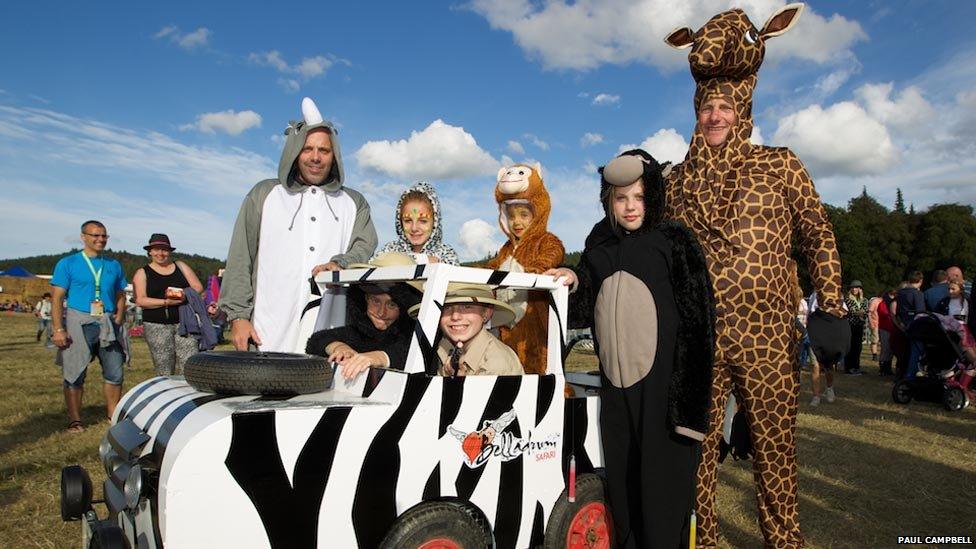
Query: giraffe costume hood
746, 203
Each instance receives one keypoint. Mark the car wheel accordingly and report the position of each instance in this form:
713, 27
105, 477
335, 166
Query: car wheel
955, 399
902, 392
438, 525
583, 523
108, 537
247, 373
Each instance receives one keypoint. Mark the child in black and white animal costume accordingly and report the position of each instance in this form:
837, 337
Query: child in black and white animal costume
642, 286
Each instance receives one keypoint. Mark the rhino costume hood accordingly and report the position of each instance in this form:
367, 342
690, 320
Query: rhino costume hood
283, 230
295, 135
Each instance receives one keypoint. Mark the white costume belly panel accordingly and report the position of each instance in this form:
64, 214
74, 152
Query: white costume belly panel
298, 232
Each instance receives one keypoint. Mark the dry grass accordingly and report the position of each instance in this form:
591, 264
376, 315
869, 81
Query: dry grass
870, 470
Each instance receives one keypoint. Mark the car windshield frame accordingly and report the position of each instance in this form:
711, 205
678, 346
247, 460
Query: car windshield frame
436, 277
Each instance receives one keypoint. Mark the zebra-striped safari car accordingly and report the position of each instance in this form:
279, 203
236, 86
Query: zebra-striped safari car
422, 461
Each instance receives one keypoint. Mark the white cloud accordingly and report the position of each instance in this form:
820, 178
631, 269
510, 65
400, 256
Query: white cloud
271, 59
477, 239
188, 41
289, 84
907, 112
604, 99
666, 145
589, 139
515, 147
310, 67
586, 34
536, 141
229, 122
831, 82
303, 71
440, 151
842, 139
166, 31
109, 150
757, 136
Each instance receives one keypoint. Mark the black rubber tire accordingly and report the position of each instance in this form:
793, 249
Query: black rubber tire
901, 392
76, 492
248, 373
589, 489
955, 399
108, 537
438, 519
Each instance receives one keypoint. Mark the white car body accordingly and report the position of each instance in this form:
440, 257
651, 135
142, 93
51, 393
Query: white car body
336, 469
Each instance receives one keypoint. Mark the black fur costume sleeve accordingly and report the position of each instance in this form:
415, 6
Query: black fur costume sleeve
689, 394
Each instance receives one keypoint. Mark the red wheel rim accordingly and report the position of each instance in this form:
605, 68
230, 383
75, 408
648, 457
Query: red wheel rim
440, 543
590, 528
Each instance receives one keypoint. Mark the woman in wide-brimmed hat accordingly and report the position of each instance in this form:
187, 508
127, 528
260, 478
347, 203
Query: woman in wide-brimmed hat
159, 290
377, 330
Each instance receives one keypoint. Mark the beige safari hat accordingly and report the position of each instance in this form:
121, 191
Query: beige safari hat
482, 294
387, 259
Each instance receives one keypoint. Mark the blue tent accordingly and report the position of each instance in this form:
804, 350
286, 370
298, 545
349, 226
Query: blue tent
17, 271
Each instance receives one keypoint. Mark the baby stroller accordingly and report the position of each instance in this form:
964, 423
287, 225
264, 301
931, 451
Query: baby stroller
944, 377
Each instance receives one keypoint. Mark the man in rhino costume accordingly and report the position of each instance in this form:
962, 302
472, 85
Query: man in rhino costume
289, 229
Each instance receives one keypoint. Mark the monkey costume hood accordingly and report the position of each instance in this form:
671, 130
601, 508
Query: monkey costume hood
747, 204
283, 230
435, 244
537, 251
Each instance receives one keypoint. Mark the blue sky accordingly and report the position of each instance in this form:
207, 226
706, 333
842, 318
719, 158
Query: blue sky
159, 117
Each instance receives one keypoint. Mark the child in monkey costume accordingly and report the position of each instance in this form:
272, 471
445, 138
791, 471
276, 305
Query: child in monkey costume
523, 213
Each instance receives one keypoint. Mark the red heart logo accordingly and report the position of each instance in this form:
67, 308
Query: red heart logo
471, 446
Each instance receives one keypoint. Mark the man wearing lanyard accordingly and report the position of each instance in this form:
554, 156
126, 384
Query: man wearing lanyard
95, 289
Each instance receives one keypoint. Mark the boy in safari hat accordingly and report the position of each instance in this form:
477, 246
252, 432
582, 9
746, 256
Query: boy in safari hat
467, 347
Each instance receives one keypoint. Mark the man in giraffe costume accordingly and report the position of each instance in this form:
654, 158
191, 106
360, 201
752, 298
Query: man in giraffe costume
745, 203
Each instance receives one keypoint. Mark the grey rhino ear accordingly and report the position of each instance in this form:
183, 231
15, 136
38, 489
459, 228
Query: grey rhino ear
680, 38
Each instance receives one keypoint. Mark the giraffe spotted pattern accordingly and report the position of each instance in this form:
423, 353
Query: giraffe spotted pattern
746, 203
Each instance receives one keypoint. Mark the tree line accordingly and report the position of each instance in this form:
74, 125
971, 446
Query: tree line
880, 247
877, 245
44, 264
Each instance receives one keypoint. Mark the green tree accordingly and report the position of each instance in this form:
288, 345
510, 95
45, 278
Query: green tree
946, 235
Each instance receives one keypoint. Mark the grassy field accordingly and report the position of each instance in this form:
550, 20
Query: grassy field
870, 470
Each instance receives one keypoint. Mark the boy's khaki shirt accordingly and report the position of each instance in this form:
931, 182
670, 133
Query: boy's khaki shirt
483, 355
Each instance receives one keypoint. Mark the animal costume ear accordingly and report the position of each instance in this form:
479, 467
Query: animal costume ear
782, 21
538, 169
310, 112
680, 38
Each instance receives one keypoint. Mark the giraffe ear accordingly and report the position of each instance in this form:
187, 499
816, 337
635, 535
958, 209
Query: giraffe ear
680, 38
782, 21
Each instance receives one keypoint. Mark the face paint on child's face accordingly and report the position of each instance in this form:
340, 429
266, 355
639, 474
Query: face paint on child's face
418, 223
519, 219
628, 205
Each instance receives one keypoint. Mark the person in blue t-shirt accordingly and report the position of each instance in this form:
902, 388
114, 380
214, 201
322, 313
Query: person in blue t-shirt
94, 286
